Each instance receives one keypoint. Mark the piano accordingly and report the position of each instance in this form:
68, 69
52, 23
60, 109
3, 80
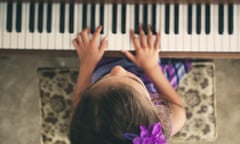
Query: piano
200, 29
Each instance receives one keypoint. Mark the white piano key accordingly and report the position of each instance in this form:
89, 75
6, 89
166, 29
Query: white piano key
158, 17
14, 35
28, 34
21, 35
234, 37
210, 36
66, 34
51, 35
58, 35
105, 26
202, 36
149, 14
164, 37
131, 25
6, 34
75, 28
187, 43
44, 35
180, 36
225, 37
195, 38
97, 17
235, 47
36, 34
118, 35
111, 44
88, 15
217, 36
1, 22
80, 7
238, 28
171, 35
126, 43
140, 14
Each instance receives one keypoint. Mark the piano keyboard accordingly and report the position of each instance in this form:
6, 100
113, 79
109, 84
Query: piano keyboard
183, 27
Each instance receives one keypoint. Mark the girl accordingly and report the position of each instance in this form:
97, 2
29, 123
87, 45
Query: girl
124, 101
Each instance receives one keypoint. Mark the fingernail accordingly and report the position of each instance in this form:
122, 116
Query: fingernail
106, 38
150, 27
123, 50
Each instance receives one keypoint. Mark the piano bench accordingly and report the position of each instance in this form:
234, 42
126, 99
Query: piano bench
197, 90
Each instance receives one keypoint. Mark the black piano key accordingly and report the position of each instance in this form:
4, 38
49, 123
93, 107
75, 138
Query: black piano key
31, 17
145, 17
84, 14
167, 18
136, 16
220, 18
176, 18
102, 16
9, 16
189, 20
62, 17
92, 27
208, 19
71, 18
123, 19
114, 18
154, 19
198, 16
19, 16
230, 18
49, 17
40, 17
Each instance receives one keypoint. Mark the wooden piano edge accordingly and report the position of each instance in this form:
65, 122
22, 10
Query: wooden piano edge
137, 1
72, 53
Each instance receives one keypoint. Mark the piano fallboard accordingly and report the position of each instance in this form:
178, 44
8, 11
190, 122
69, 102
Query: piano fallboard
72, 53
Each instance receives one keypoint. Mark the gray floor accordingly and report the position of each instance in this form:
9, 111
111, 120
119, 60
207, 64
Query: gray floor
19, 98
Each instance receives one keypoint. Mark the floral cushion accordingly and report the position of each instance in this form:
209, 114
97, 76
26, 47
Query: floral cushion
197, 89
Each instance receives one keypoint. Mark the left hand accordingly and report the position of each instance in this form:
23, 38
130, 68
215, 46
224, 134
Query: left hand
88, 49
147, 49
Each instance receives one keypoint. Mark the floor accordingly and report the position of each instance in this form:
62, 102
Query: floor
19, 98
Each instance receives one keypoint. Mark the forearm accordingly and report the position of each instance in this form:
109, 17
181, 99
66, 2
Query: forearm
163, 86
83, 81
176, 105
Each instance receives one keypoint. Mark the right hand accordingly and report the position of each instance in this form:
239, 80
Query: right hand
147, 55
88, 49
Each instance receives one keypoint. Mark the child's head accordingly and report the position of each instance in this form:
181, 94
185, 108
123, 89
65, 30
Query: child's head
116, 104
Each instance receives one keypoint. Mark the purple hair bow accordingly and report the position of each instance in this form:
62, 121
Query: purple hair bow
151, 135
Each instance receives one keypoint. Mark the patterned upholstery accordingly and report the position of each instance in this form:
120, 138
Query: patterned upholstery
197, 90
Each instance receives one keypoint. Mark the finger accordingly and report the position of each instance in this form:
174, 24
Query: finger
97, 33
150, 37
135, 40
85, 35
157, 42
143, 39
129, 55
75, 43
103, 44
79, 38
